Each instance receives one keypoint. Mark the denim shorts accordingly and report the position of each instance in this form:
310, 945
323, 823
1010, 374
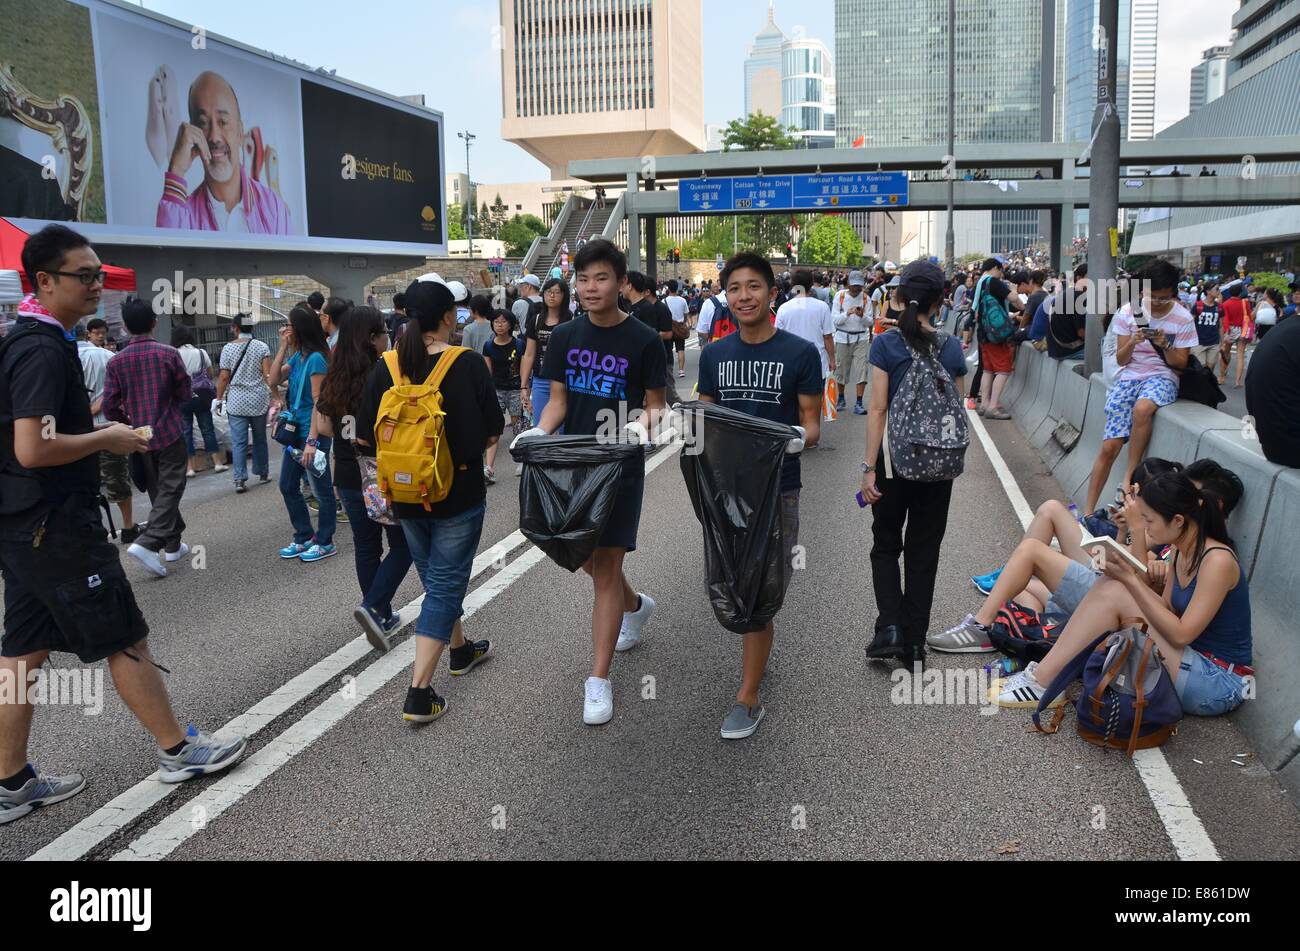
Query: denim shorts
1123, 397
1076, 583
443, 551
1205, 688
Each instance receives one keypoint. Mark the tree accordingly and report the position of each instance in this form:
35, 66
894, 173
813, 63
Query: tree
500, 214
485, 227
518, 233
755, 133
820, 240
456, 223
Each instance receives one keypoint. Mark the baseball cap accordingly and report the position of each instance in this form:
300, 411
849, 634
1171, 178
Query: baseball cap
855, 279
530, 279
1000, 259
921, 276
458, 291
427, 299
891, 266
893, 281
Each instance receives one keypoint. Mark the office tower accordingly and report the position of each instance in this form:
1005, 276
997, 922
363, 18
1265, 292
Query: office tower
1209, 77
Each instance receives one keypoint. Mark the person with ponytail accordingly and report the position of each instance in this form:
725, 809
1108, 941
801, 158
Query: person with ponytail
362, 340
904, 609
444, 537
303, 359
1201, 621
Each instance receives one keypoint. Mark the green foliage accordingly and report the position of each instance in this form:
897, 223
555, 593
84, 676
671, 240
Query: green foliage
756, 133
456, 223
820, 240
1266, 280
518, 233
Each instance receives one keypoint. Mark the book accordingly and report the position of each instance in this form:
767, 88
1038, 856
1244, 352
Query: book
1104, 546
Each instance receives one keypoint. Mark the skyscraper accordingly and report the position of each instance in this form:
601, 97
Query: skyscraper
792, 79
605, 77
1135, 68
763, 69
1209, 77
892, 79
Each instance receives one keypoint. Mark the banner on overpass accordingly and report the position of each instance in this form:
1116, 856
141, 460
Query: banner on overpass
826, 192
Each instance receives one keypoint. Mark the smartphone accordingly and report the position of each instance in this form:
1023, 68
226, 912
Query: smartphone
862, 500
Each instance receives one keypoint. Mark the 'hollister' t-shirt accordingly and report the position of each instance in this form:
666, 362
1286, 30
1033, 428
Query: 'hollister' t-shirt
604, 368
763, 380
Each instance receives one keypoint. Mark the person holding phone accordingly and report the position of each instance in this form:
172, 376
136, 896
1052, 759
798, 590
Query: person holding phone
1154, 338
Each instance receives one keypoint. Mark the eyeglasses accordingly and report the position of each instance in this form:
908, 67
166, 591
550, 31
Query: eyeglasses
1156, 304
87, 278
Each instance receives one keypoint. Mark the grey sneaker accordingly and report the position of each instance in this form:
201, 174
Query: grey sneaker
968, 637
201, 754
742, 721
41, 791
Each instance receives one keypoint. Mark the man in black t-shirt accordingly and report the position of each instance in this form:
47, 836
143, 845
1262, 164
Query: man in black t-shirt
1066, 327
604, 369
656, 315
1273, 393
65, 590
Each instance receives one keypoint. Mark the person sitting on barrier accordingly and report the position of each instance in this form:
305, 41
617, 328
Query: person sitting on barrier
1044, 579
1153, 342
1201, 622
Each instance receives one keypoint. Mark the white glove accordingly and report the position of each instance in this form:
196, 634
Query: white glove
797, 444
636, 433
528, 434
218, 407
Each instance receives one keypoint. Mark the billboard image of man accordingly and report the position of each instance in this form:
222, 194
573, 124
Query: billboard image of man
229, 199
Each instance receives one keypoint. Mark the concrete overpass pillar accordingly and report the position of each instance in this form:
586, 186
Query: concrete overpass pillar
1063, 222
633, 223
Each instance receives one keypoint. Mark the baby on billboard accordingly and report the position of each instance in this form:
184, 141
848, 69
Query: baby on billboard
240, 188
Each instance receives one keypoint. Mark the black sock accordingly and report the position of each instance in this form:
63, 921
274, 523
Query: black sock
175, 749
19, 779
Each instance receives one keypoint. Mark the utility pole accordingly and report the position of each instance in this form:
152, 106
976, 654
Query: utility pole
469, 137
950, 239
1103, 184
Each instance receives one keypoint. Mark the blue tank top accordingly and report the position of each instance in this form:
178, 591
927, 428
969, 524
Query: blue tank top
1227, 636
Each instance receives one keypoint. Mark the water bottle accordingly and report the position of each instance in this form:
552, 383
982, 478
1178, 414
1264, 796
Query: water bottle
1003, 668
1074, 510
318, 462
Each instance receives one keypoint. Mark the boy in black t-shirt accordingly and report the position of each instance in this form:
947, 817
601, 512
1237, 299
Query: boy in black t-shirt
65, 590
774, 375
604, 369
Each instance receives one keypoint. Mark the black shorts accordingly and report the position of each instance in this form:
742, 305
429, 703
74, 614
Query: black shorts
68, 594
620, 530
679, 344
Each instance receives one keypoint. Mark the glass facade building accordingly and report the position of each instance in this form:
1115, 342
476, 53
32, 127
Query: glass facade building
794, 80
892, 80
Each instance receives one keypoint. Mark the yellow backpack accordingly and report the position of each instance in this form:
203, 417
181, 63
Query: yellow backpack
412, 455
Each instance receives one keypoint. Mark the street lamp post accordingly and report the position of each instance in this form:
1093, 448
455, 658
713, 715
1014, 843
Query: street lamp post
469, 137
950, 240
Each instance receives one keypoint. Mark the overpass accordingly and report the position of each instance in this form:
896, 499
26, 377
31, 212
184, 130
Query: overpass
1063, 188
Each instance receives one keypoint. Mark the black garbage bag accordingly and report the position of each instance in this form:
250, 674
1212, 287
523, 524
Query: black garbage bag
567, 490
732, 465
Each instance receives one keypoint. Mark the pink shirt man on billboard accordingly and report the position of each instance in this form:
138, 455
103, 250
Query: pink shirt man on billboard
229, 199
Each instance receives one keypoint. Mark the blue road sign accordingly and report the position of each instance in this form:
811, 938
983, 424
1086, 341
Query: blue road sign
851, 190
762, 194
834, 192
697, 195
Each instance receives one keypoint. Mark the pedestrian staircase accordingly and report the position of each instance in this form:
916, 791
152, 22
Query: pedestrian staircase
579, 218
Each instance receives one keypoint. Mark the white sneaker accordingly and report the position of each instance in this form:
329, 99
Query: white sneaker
179, 553
150, 559
221, 468
629, 635
598, 707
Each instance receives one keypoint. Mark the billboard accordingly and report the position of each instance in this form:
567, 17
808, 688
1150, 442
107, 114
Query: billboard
145, 131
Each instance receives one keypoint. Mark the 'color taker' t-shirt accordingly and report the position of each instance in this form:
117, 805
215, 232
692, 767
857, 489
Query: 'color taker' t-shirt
604, 368
763, 380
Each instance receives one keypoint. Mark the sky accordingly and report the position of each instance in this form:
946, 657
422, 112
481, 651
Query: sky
445, 50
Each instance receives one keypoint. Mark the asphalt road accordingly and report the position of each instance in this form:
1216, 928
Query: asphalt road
837, 770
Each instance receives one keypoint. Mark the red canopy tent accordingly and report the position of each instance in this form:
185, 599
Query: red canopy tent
12, 239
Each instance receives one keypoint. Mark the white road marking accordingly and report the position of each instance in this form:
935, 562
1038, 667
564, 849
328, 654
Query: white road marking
144, 795
162, 839
1185, 831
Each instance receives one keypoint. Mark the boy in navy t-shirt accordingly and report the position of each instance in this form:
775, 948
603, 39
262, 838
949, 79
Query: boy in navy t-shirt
774, 375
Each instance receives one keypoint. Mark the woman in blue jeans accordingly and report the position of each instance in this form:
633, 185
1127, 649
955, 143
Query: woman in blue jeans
303, 358
536, 389
443, 537
198, 406
362, 340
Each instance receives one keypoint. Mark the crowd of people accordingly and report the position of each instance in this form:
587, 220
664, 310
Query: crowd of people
393, 424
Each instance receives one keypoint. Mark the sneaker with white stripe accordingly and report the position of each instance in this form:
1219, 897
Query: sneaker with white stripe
1021, 691
968, 637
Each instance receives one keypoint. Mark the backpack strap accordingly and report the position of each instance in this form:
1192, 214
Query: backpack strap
443, 367
1067, 676
394, 367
